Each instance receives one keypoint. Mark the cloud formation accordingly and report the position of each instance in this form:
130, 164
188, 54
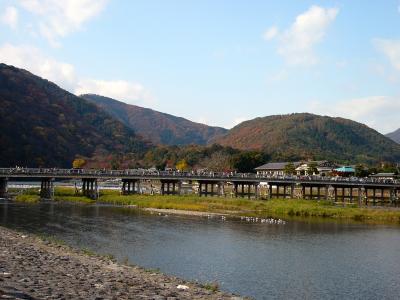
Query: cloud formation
296, 44
391, 49
32, 59
64, 75
129, 92
10, 17
378, 112
57, 19
271, 33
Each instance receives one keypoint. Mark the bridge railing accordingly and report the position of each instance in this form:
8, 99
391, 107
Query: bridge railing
226, 176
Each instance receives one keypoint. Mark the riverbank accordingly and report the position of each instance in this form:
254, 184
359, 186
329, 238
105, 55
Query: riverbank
37, 268
276, 208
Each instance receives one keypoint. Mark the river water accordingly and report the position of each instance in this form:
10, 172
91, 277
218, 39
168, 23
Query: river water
298, 260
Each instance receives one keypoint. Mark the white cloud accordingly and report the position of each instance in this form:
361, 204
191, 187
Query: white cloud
391, 49
64, 74
296, 44
57, 19
271, 33
10, 17
378, 112
35, 61
129, 92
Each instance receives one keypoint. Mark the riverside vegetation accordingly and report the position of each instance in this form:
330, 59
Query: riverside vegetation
236, 207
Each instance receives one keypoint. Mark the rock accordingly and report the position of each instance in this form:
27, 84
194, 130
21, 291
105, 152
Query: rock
182, 287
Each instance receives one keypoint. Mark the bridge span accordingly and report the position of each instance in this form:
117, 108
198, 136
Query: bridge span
354, 190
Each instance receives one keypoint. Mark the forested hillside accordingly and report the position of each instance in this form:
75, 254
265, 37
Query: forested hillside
304, 136
160, 128
44, 125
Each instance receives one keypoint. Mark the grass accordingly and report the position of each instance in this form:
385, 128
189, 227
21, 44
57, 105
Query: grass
27, 198
234, 206
211, 286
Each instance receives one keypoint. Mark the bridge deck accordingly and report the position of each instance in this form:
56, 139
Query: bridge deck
20, 173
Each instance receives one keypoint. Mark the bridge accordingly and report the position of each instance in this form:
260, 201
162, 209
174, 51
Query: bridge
357, 190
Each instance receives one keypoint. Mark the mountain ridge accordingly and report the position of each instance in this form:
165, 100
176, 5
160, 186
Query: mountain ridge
160, 128
44, 125
305, 135
395, 136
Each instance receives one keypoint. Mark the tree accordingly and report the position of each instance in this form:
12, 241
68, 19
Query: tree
78, 163
218, 162
312, 168
290, 169
246, 162
361, 171
182, 165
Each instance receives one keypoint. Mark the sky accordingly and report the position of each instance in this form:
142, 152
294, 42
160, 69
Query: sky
218, 62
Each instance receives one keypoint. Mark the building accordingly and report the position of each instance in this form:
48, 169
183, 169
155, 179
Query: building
274, 169
345, 171
384, 176
323, 168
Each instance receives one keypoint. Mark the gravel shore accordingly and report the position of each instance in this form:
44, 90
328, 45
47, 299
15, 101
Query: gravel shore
32, 268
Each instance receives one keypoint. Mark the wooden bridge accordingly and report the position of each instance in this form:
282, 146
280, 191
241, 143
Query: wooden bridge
213, 184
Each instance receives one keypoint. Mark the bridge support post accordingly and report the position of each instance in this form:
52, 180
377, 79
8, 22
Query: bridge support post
292, 187
130, 186
326, 189
46, 188
392, 195
221, 189
170, 187
351, 194
360, 195
335, 193
3, 187
90, 188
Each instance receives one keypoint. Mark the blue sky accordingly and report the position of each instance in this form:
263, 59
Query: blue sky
217, 62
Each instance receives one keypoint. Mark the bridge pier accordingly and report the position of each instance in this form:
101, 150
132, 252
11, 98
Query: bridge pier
170, 187
130, 186
379, 195
287, 190
244, 189
211, 188
90, 188
3, 187
47, 188
361, 195
315, 191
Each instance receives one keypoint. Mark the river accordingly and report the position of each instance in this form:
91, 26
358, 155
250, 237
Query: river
296, 260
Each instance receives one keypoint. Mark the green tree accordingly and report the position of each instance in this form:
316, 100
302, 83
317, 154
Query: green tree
290, 169
247, 161
361, 171
312, 168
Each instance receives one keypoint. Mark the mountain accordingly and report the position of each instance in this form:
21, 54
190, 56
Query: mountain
303, 136
395, 136
160, 128
44, 125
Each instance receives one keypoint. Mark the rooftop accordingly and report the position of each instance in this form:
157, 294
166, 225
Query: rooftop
277, 165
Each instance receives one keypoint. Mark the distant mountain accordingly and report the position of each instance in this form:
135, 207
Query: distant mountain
160, 128
44, 125
303, 136
395, 136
